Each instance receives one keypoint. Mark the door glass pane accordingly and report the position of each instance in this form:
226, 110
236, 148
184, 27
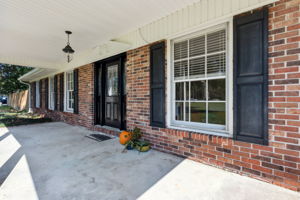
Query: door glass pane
197, 90
198, 112
216, 113
179, 110
216, 89
115, 111
108, 110
112, 80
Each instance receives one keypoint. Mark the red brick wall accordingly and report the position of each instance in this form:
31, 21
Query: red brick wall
85, 117
278, 163
86, 90
284, 75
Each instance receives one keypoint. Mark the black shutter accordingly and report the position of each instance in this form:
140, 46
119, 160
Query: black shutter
46, 93
61, 89
251, 77
41, 93
76, 98
157, 85
98, 97
55, 93
33, 90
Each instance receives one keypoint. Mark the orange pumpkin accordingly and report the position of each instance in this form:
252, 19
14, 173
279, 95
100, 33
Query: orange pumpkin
125, 136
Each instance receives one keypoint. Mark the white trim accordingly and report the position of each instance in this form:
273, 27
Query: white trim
203, 131
28, 74
169, 83
66, 100
227, 23
229, 90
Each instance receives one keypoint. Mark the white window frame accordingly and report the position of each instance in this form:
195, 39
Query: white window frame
67, 107
51, 94
37, 94
227, 130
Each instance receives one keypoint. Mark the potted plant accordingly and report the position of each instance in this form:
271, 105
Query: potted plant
134, 141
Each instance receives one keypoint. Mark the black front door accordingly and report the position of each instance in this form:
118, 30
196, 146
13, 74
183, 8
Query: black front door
112, 95
109, 92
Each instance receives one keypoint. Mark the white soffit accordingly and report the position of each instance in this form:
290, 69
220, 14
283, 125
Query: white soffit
36, 74
32, 32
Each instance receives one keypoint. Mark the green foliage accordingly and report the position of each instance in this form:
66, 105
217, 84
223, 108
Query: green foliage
12, 117
9, 75
135, 141
136, 133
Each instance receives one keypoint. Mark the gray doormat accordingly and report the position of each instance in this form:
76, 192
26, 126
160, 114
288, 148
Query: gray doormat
98, 137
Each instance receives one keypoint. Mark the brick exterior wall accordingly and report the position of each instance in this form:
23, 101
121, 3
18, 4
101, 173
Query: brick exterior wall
85, 91
85, 116
277, 163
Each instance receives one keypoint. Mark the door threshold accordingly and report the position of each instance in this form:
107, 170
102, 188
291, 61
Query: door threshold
109, 128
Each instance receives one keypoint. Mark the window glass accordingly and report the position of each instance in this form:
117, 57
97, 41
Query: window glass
51, 93
216, 113
180, 91
37, 94
199, 79
198, 112
70, 90
187, 111
198, 90
179, 111
216, 89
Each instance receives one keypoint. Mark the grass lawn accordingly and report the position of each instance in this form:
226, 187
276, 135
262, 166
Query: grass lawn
12, 117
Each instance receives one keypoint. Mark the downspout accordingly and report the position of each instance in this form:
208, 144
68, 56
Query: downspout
29, 95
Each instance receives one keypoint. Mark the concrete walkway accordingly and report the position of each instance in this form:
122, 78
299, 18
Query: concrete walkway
55, 161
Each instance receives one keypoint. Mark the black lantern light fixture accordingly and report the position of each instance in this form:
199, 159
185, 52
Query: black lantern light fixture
68, 49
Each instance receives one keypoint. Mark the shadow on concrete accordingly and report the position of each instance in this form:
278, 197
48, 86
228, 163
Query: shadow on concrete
59, 162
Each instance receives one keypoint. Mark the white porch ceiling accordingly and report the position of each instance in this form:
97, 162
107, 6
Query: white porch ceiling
32, 32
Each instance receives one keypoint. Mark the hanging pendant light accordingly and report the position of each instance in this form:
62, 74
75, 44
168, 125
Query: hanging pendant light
68, 49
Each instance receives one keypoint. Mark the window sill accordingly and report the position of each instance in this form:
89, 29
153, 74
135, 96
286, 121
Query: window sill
69, 111
202, 131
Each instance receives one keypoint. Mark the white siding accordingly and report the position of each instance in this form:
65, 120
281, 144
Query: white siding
196, 15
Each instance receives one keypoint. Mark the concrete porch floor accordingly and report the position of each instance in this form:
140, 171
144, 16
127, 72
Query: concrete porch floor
55, 161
